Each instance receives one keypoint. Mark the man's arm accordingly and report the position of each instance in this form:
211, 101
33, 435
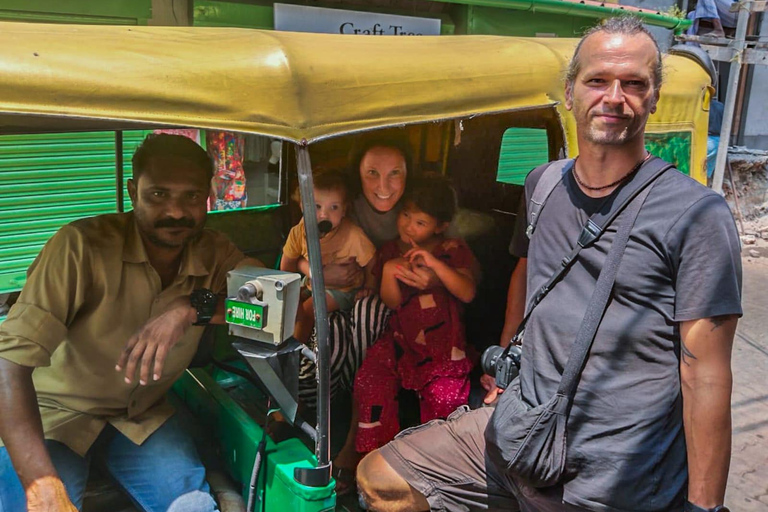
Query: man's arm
22, 432
706, 379
512, 318
147, 349
515, 302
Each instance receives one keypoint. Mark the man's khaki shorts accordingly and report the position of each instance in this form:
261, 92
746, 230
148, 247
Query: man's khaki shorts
445, 460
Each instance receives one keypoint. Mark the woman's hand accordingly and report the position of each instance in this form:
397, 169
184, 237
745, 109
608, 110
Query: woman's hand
341, 275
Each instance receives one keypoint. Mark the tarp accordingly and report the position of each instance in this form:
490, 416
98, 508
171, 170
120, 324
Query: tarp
286, 85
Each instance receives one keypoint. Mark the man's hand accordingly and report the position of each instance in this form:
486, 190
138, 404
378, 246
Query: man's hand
48, 494
489, 384
151, 344
341, 275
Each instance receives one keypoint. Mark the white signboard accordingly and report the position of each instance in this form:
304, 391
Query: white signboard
300, 18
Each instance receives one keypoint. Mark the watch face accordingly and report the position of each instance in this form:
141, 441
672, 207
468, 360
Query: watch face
204, 301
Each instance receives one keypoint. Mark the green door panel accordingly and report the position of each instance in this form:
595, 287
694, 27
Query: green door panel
522, 149
48, 180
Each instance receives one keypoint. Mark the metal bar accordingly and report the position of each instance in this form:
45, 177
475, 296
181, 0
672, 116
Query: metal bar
119, 170
323, 446
730, 98
754, 6
735, 196
755, 56
744, 82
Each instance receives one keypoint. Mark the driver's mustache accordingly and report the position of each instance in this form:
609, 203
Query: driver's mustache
184, 222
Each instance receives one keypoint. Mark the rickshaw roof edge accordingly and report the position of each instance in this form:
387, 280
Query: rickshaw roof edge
290, 86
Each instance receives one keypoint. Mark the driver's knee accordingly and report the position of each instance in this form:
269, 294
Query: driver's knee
384, 490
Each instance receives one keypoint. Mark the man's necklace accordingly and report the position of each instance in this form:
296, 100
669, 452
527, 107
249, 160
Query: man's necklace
617, 182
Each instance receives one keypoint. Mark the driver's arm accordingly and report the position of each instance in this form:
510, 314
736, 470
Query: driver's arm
36, 325
22, 433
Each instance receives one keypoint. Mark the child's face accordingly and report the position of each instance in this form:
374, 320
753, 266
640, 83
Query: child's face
416, 226
331, 206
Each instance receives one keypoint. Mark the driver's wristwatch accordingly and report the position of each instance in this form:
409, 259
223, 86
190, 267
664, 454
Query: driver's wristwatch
690, 507
204, 301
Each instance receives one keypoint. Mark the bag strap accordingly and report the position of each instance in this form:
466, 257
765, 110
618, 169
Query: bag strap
599, 300
548, 180
593, 228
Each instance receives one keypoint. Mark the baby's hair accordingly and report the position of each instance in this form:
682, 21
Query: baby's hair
327, 178
434, 195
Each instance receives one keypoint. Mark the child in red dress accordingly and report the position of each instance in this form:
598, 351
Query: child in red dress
424, 345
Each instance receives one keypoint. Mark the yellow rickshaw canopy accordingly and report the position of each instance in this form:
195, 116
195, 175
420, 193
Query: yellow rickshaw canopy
286, 85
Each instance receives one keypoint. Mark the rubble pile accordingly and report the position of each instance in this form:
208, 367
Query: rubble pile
750, 174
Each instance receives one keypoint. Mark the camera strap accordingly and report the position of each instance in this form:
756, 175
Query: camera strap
592, 229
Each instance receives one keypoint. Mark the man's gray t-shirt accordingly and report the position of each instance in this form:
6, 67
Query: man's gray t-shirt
626, 445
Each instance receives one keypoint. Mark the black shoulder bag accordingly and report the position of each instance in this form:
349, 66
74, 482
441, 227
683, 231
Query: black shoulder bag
530, 441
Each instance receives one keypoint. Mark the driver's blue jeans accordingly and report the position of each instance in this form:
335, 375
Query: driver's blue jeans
163, 474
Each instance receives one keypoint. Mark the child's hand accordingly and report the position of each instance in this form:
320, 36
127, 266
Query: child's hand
419, 257
392, 265
364, 292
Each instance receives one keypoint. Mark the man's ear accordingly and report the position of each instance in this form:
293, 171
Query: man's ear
655, 102
568, 95
132, 192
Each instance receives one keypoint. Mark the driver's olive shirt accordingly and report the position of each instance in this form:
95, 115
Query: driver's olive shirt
90, 289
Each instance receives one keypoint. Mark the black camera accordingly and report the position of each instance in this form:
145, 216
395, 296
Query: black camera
502, 364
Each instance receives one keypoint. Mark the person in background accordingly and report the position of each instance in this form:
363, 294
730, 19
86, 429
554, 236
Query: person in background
716, 109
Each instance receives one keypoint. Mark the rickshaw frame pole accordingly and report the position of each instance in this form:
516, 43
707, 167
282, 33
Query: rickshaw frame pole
119, 170
306, 188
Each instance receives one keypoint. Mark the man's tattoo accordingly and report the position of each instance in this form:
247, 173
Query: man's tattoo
686, 353
718, 321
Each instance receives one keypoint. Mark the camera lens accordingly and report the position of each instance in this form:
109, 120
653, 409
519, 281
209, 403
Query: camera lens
489, 359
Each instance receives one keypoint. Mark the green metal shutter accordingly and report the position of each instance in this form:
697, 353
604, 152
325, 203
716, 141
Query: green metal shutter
49, 180
522, 149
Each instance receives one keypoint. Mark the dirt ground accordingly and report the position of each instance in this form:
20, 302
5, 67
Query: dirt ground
748, 479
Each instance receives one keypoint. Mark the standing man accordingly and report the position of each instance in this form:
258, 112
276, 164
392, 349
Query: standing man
101, 330
650, 427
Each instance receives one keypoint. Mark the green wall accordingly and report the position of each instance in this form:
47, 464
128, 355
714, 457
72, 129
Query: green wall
113, 12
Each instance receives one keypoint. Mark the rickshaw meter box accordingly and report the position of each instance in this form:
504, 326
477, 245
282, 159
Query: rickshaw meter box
261, 304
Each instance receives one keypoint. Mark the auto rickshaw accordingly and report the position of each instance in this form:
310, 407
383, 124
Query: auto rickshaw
483, 109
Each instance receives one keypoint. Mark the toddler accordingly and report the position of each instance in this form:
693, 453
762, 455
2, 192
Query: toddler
341, 240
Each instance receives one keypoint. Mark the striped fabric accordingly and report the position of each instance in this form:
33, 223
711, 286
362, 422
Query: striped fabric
351, 333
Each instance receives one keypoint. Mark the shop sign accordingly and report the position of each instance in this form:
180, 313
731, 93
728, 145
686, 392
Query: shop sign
302, 18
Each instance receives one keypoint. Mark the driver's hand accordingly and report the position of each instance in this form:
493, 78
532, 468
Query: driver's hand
148, 348
48, 494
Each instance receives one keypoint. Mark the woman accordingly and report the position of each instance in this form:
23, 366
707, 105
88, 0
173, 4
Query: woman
379, 168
